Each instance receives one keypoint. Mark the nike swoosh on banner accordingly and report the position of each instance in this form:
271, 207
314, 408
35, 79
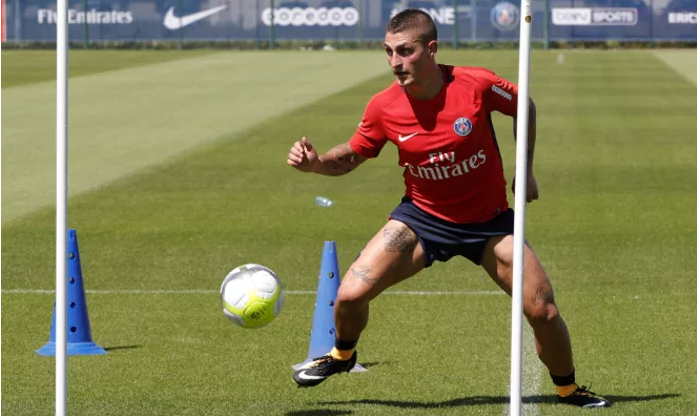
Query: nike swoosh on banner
173, 22
405, 138
304, 376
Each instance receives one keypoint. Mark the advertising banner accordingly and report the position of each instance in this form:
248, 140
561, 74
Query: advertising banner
357, 20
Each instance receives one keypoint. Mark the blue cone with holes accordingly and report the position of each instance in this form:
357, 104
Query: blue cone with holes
79, 332
323, 329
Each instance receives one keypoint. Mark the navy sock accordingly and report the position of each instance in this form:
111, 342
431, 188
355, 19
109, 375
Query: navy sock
344, 345
564, 380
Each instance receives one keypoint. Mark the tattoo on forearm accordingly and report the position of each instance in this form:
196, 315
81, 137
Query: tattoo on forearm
344, 152
363, 274
341, 158
542, 295
399, 239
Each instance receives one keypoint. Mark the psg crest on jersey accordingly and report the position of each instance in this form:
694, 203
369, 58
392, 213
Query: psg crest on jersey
462, 126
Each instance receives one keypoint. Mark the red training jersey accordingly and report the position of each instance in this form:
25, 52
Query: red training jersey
447, 146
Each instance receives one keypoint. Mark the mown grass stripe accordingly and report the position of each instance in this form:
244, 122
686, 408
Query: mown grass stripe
124, 121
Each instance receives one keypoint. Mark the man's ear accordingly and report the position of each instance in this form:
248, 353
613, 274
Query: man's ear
432, 49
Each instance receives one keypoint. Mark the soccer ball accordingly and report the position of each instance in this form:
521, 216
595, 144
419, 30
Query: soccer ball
251, 296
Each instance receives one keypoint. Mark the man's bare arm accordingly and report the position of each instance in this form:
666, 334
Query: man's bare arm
532, 192
532, 132
340, 160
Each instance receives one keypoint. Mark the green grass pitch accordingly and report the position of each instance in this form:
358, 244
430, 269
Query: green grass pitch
614, 227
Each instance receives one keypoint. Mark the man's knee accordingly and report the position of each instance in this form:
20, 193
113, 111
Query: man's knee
362, 282
541, 313
348, 296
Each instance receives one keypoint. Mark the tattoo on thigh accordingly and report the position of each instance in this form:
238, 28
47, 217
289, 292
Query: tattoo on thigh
363, 274
399, 239
542, 295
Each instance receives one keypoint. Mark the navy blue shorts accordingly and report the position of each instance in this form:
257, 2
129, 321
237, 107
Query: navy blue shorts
442, 240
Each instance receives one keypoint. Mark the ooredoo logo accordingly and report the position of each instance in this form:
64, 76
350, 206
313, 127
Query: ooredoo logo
502, 93
311, 16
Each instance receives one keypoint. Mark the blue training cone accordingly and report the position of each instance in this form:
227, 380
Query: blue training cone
323, 329
79, 332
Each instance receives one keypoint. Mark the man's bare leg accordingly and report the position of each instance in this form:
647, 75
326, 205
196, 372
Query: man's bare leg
551, 334
391, 256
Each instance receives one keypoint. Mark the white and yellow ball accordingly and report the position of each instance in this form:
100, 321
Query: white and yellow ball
252, 296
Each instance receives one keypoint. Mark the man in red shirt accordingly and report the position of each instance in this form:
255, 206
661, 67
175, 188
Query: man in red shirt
439, 117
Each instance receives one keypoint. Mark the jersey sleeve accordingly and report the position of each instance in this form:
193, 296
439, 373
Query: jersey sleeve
369, 138
498, 94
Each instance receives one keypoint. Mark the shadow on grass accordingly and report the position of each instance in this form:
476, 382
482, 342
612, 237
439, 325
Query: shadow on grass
374, 363
619, 399
319, 412
485, 400
122, 347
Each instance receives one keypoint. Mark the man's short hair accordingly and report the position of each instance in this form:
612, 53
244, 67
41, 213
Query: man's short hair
409, 19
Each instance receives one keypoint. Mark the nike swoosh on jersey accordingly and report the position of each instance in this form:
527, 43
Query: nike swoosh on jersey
304, 376
172, 22
405, 138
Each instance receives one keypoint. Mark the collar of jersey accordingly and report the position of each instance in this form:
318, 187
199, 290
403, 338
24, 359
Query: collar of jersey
447, 78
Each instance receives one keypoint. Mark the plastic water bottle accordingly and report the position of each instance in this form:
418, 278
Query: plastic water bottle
321, 201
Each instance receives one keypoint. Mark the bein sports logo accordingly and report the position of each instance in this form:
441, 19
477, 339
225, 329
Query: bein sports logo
505, 16
599, 16
571, 16
615, 16
311, 16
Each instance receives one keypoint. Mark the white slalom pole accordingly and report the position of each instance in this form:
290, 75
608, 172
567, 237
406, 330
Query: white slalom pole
520, 197
61, 207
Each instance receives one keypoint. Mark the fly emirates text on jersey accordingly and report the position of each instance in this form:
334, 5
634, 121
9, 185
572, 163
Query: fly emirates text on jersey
440, 168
